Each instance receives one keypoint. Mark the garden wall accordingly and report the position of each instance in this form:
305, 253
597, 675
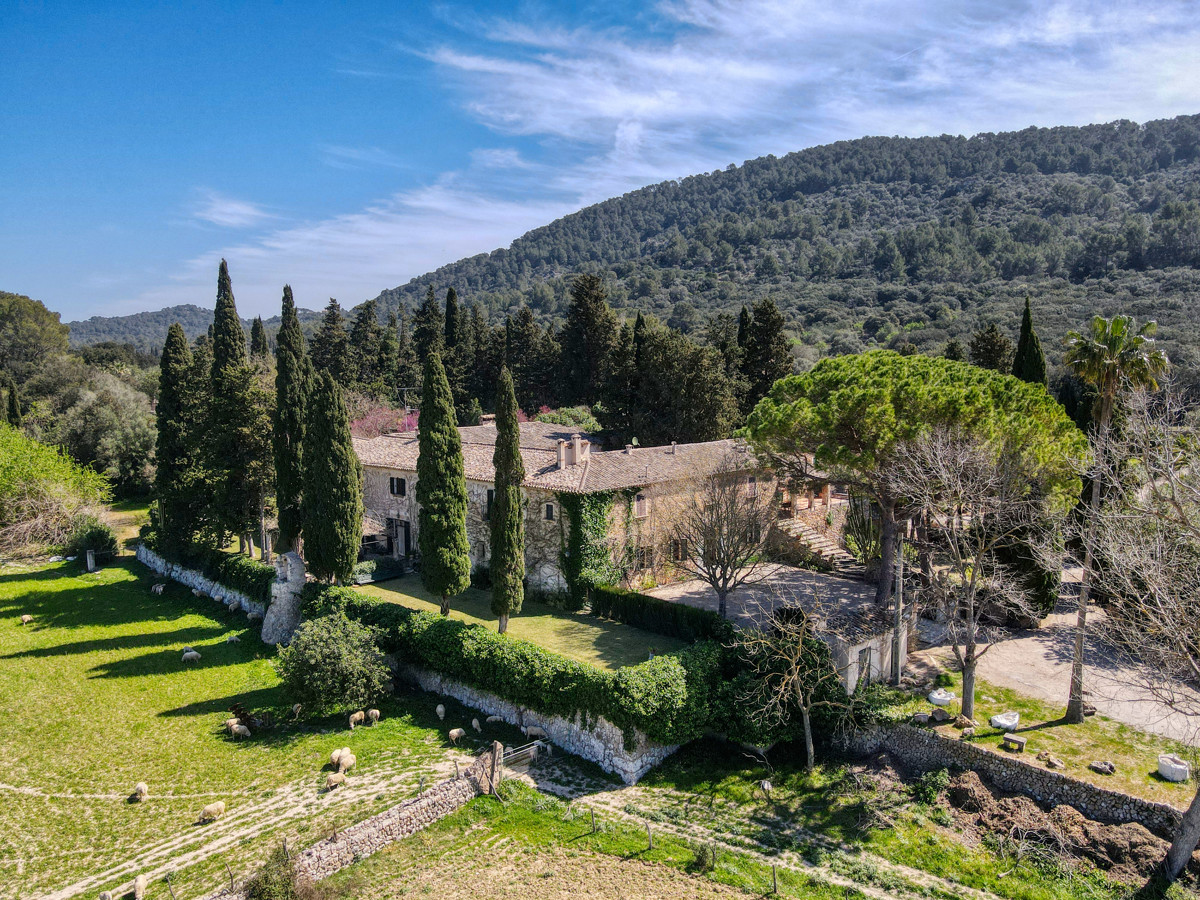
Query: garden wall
926, 749
599, 740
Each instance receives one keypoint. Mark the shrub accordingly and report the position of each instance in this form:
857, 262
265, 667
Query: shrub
332, 664
676, 620
90, 533
279, 880
930, 786
231, 570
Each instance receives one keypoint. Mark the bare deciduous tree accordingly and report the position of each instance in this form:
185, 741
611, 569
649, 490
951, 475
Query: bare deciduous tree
794, 669
976, 498
720, 534
1146, 541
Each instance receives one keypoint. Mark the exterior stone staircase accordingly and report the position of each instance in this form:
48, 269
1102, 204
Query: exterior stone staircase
814, 541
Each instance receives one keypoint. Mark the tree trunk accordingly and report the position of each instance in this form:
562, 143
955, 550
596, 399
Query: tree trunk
968, 687
887, 554
263, 543
503, 625
721, 606
925, 556
1186, 838
809, 755
242, 544
445, 610
1074, 714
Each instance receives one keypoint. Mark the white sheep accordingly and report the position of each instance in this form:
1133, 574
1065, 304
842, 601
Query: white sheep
357, 719
191, 656
475, 724
492, 720
346, 761
533, 731
239, 731
229, 723
440, 710
333, 779
455, 734
232, 606
139, 887
213, 811
766, 787
27, 619
187, 648
233, 639
196, 592
373, 716
140, 792
254, 615
158, 588
296, 711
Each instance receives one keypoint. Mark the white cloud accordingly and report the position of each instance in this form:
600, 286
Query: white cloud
228, 212
359, 157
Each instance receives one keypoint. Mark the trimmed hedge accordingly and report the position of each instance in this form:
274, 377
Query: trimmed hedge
676, 620
667, 698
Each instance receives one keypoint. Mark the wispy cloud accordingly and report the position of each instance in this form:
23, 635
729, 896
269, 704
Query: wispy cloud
228, 212
587, 113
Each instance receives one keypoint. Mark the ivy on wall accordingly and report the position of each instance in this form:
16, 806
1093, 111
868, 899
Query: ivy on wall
585, 559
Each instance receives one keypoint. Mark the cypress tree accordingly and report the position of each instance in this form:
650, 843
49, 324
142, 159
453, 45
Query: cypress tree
743, 327
453, 328
332, 503
387, 360
233, 426
508, 512
12, 408
429, 327
292, 387
177, 451
1029, 363
408, 369
258, 338
441, 490
330, 351
365, 338
767, 356
587, 340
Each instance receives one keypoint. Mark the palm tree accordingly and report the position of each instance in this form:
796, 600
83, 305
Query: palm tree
1114, 355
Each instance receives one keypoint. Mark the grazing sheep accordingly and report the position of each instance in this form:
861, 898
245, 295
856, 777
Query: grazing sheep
336, 755
229, 723
140, 792
333, 779
191, 656
26, 619
475, 724
213, 811
533, 731
254, 615
296, 711
233, 639
492, 720
357, 719
373, 716
158, 588
441, 712
139, 887
105, 895
187, 648
346, 761
239, 731
196, 592
232, 606
455, 734
766, 787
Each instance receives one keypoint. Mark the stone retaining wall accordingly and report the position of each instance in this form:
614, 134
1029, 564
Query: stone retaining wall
280, 618
926, 749
599, 741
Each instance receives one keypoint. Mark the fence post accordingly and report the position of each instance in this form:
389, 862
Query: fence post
649, 837
91, 560
774, 879
593, 821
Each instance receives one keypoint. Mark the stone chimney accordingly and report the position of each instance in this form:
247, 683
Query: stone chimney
562, 453
629, 449
573, 453
674, 448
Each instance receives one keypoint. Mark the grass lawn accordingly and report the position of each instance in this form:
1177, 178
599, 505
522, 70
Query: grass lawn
599, 642
94, 698
126, 517
1135, 753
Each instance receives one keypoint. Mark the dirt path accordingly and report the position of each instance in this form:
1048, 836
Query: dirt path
289, 804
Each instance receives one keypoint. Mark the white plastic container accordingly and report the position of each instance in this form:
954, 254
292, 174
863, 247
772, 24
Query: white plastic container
1172, 768
1005, 721
940, 697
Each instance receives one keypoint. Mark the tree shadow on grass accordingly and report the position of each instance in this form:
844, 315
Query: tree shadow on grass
170, 661
191, 636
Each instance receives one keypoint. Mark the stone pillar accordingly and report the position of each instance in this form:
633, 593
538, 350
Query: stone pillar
826, 493
283, 615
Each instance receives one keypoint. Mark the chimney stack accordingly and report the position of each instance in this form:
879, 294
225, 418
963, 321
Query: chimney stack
629, 449
562, 453
674, 448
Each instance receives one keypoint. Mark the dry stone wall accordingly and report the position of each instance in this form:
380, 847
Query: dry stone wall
925, 749
599, 740
196, 581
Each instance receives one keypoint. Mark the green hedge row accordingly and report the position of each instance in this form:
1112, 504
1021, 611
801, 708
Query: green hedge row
669, 698
231, 570
676, 620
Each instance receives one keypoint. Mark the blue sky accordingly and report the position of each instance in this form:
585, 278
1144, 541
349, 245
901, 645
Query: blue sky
346, 148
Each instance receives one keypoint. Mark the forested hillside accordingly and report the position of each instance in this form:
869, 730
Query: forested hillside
888, 241
146, 330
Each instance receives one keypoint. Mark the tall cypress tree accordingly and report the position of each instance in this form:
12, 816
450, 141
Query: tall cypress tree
1029, 363
441, 490
12, 407
387, 360
408, 369
743, 327
767, 356
508, 508
292, 387
429, 326
258, 338
233, 426
330, 350
587, 340
365, 337
453, 327
177, 450
332, 503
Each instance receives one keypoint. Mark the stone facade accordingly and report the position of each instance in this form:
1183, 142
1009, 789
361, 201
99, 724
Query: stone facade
278, 624
599, 741
926, 749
